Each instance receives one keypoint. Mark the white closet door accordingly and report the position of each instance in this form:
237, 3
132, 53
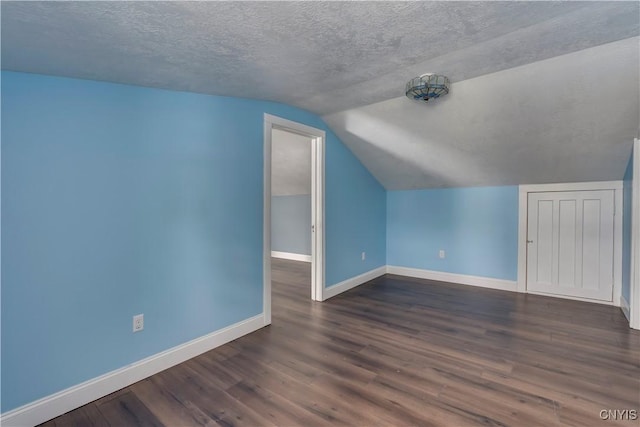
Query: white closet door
570, 243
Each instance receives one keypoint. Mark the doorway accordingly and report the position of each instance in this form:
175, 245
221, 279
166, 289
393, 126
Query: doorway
290, 196
293, 228
570, 241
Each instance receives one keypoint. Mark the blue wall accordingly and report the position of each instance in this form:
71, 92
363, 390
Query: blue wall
626, 230
477, 228
119, 200
360, 202
291, 224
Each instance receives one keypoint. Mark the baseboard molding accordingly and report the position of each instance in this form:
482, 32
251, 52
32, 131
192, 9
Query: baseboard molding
624, 306
463, 279
352, 282
291, 256
49, 407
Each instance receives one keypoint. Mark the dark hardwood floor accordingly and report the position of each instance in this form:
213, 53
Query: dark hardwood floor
397, 352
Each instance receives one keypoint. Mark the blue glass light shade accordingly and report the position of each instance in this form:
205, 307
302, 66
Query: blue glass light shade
427, 86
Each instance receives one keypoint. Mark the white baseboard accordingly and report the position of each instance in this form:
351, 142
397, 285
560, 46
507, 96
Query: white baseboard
352, 282
624, 306
291, 256
51, 406
463, 279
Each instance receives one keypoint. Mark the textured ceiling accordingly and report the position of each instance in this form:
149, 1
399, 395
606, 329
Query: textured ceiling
321, 56
290, 164
541, 91
566, 119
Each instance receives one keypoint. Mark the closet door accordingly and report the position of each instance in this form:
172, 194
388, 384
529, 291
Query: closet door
570, 243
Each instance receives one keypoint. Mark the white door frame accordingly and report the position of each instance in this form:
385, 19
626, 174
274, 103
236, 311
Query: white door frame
523, 209
634, 291
318, 138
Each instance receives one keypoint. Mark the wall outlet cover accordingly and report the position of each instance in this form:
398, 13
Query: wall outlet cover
138, 322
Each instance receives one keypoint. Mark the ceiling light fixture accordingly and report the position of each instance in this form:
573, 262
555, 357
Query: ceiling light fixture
427, 86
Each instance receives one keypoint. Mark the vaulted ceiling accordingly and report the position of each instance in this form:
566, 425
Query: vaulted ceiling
570, 118
541, 91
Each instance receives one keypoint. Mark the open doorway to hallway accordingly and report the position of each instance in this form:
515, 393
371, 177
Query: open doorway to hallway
293, 207
291, 222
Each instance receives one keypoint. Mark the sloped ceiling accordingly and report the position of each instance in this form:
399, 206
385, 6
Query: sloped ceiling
566, 119
351, 59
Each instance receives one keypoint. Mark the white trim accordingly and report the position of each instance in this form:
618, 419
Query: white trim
317, 216
318, 138
634, 291
266, 225
617, 245
59, 403
461, 279
572, 186
291, 256
345, 285
624, 306
522, 238
524, 190
295, 127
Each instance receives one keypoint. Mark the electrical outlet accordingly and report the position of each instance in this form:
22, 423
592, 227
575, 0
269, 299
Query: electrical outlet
364, 256
138, 322
441, 254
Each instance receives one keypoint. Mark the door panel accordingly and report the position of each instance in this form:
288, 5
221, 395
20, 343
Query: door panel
544, 247
570, 243
567, 243
591, 244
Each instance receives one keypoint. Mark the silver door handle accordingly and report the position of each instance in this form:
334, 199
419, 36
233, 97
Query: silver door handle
529, 241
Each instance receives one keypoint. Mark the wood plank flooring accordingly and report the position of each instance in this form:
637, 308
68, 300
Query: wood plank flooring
397, 352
